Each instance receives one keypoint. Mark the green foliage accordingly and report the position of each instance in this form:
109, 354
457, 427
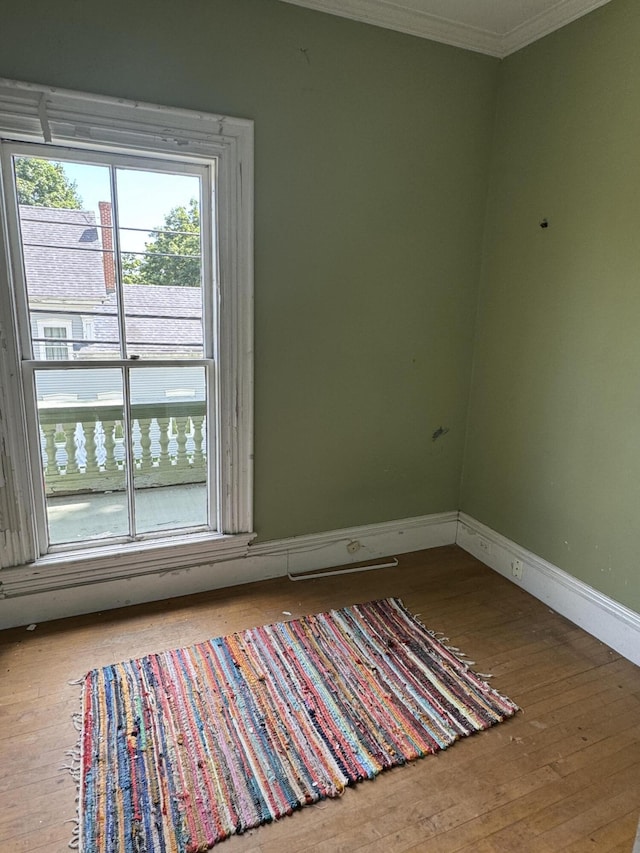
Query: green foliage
131, 268
182, 267
43, 183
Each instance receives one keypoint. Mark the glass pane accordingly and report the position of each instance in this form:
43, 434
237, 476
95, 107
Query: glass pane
67, 238
159, 233
81, 423
169, 434
55, 350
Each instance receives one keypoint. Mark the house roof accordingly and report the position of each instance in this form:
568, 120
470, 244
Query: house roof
170, 301
74, 268
64, 260
147, 310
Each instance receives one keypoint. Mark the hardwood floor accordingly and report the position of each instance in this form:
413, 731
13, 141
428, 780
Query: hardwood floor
564, 774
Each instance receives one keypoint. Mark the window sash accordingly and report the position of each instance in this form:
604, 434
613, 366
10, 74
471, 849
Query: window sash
202, 170
61, 354
30, 369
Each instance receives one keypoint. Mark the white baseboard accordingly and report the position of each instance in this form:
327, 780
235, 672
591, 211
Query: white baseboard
340, 547
601, 616
260, 561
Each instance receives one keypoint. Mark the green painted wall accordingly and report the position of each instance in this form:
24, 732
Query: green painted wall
552, 456
372, 170
372, 153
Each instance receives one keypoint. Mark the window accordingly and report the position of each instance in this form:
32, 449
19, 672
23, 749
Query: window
131, 305
50, 340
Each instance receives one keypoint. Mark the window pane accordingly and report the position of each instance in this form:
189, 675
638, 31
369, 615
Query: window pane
67, 239
159, 233
169, 433
55, 351
81, 426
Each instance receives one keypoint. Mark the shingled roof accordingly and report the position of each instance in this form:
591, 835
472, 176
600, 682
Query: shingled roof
73, 269
64, 260
147, 310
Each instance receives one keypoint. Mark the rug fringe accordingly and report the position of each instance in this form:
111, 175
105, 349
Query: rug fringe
74, 767
445, 642
460, 656
74, 844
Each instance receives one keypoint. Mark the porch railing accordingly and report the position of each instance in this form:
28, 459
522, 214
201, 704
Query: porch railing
83, 450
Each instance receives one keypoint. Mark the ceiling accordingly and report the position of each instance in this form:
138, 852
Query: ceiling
496, 27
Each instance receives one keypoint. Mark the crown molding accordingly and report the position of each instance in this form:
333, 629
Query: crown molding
394, 16
541, 25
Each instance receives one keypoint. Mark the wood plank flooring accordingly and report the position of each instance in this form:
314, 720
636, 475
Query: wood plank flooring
564, 774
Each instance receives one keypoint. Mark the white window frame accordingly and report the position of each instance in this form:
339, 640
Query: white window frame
41, 325
88, 328
81, 121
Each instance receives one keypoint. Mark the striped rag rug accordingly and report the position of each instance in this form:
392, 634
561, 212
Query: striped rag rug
181, 749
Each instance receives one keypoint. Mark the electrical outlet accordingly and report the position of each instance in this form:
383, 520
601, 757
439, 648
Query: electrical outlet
353, 546
517, 569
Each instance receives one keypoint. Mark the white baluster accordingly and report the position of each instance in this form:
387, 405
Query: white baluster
136, 435
62, 457
101, 450
43, 450
190, 444
119, 453
203, 445
155, 445
80, 443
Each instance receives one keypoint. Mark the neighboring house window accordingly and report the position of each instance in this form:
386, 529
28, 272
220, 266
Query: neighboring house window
51, 339
144, 245
88, 329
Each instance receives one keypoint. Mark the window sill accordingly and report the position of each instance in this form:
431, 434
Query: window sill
117, 562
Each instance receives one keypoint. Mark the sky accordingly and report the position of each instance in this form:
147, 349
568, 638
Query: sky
144, 198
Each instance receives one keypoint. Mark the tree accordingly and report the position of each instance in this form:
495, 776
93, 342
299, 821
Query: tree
43, 183
131, 268
172, 256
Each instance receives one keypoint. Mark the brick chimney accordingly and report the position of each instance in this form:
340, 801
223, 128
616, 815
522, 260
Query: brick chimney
106, 228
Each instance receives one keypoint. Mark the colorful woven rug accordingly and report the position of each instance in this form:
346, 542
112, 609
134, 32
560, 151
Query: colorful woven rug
184, 748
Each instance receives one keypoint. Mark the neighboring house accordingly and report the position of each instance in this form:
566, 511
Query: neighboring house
72, 295
65, 276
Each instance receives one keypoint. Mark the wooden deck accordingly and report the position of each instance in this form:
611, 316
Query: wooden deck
564, 774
